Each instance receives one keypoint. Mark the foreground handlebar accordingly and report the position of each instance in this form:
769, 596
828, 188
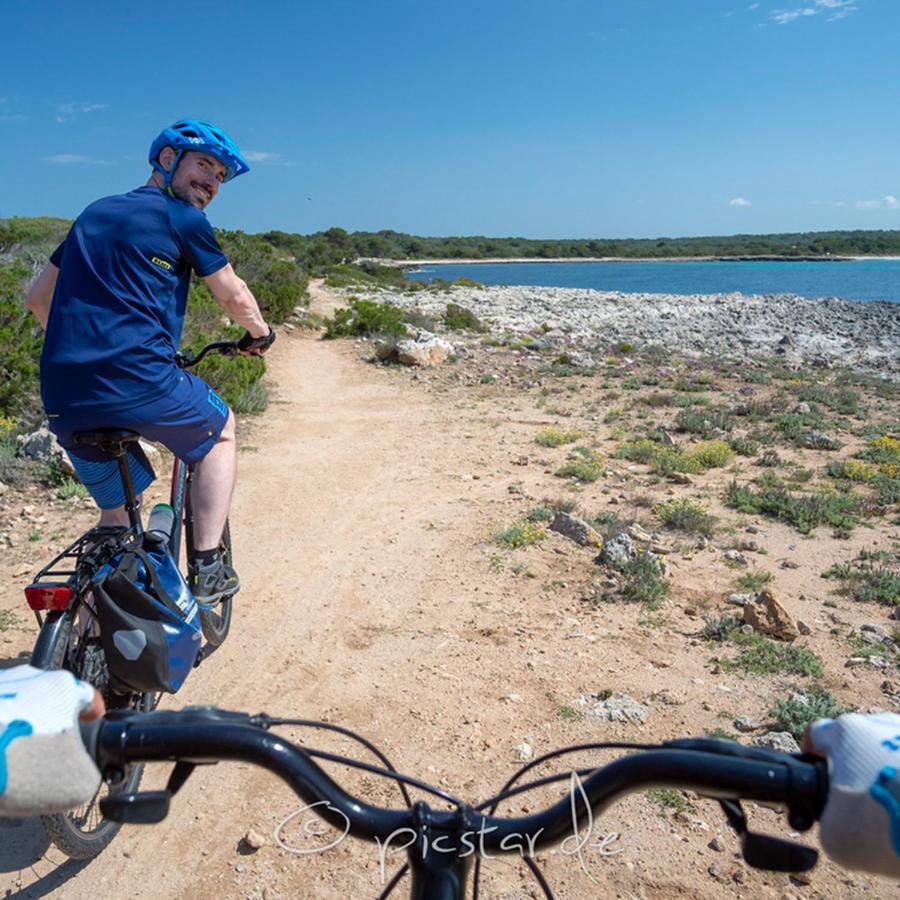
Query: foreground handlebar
706, 766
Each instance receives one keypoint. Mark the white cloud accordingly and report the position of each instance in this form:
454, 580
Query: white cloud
752, 6
838, 9
65, 112
887, 202
738, 201
261, 156
67, 158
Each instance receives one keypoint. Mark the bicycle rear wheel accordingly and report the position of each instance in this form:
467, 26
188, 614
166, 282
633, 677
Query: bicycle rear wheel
64, 643
215, 618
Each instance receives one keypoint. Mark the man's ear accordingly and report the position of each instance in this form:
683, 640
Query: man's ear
166, 157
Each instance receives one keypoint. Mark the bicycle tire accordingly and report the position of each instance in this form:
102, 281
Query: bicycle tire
216, 620
83, 833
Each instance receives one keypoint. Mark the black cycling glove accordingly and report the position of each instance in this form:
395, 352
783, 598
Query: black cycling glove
248, 342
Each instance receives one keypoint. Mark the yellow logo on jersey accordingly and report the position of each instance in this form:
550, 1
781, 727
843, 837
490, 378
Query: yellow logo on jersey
161, 262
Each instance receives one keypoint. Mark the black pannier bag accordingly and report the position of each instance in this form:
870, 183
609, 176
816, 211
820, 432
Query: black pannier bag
149, 621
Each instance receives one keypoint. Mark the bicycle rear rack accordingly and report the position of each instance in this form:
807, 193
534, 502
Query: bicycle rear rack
78, 563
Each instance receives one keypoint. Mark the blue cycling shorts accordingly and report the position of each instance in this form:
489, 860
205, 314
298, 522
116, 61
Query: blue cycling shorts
188, 420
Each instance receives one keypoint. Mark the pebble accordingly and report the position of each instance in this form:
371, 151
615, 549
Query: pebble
745, 724
717, 844
254, 840
523, 752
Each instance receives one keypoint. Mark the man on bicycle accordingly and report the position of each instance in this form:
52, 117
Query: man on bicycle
112, 300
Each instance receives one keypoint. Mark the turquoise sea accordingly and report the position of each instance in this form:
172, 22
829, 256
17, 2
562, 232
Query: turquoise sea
865, 279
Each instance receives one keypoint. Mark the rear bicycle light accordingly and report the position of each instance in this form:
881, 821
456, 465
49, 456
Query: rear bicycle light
48, 596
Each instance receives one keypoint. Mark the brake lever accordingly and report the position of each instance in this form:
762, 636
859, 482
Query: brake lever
763, 851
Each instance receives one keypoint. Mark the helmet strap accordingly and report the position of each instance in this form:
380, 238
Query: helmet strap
169, 173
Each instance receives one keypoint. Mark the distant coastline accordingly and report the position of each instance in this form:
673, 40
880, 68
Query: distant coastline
418, 263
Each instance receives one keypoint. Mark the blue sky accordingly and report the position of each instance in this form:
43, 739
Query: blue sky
571, 118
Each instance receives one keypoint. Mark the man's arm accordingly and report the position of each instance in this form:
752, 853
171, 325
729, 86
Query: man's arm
41, 294
237, 300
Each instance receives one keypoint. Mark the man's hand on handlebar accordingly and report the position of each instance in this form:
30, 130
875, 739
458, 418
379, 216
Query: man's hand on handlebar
44, 767
256, 346
860, 827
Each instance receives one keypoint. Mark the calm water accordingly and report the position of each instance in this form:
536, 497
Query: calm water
869, 279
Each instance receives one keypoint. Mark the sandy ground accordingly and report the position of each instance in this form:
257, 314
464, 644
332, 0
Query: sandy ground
372, 597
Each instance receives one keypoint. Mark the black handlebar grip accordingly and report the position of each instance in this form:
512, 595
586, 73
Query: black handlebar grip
90, 734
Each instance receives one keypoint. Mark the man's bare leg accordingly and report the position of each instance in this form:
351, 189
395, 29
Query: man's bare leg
116, 517
211, 489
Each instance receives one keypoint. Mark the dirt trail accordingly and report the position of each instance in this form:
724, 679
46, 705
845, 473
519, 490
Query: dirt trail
369, 599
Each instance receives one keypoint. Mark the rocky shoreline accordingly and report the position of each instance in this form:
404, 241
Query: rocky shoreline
798, 331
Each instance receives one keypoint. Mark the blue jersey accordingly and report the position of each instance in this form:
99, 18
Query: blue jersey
118, 308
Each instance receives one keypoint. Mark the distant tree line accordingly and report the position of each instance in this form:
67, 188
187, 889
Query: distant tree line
336, 245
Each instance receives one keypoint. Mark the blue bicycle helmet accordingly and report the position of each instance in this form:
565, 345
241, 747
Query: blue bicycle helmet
204, 137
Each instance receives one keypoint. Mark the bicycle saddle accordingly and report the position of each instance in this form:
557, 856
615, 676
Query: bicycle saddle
105, 438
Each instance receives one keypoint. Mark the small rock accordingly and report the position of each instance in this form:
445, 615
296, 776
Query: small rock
635, 531
717, 844
765, 614
716, 872
739, 875
802, 409
818, 440
736, 556
872, 633
3, 488
748, 546
523, 752
782, 741
254, 840
745, 724
620, 708
789, 564
239, 867
617, 551
681, 478
576, 530
740, 599
802, 627
801, 877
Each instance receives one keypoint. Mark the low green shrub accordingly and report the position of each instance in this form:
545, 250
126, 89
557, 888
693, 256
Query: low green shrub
583, 464
458, 318
705, 422
365, 317
720, 628
805, 512
868, 583
802, 709
753, 581
743, 446
519, 534
763, 656
554, 437
643, 582
711, 454
841, 400
688, 516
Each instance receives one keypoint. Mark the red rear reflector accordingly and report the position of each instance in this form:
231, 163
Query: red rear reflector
48, 596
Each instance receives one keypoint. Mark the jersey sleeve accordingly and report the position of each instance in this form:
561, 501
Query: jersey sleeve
57, 255
199, 246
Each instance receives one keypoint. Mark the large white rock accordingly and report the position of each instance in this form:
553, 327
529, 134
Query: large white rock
430, 352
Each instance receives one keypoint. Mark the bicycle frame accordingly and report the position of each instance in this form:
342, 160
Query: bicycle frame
177, 496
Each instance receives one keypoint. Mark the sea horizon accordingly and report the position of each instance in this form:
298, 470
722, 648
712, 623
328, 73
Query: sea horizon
865, 279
